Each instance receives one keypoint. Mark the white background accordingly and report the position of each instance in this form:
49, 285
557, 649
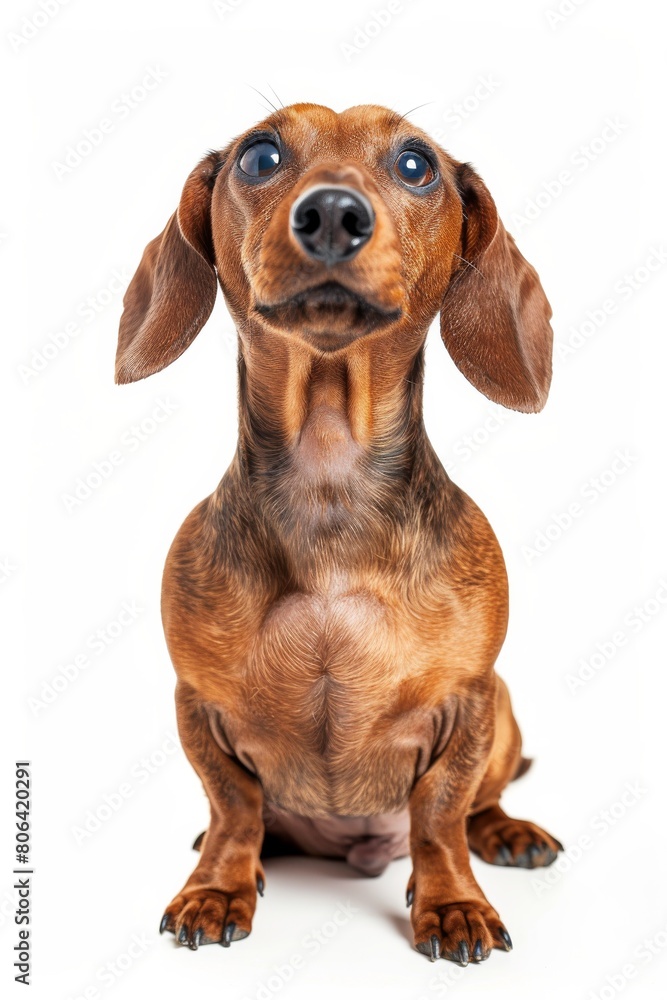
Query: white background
550, 87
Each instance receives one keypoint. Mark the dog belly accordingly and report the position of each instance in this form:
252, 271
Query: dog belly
367, 843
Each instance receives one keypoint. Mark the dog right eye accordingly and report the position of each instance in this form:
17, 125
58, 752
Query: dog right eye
260, 159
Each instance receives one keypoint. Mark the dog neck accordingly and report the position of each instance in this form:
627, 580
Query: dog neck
327, 442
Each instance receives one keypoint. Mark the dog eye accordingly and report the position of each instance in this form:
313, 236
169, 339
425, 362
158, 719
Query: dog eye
413, 169
261, 159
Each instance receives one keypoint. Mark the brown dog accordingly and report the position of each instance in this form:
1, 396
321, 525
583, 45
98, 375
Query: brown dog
334, 610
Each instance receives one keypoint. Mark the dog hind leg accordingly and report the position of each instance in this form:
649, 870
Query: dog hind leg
493, 835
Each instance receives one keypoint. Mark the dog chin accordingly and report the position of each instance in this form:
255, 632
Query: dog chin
328, 316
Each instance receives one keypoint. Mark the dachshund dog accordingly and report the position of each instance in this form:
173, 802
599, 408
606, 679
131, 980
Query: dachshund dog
334, 609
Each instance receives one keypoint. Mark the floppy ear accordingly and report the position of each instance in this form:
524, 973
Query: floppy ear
495, 316
173, 290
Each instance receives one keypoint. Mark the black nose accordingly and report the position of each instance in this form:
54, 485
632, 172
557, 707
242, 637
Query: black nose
332, 223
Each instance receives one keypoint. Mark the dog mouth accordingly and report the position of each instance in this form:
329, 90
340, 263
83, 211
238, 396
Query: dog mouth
329, 312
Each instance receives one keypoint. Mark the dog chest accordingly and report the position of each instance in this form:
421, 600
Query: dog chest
328, 716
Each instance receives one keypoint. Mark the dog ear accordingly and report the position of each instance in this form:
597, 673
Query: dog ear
173, 290
495, 316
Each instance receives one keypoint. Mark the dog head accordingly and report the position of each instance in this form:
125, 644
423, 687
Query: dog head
327, 228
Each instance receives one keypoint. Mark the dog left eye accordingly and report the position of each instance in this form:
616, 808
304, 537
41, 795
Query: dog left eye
260, 159
413, 168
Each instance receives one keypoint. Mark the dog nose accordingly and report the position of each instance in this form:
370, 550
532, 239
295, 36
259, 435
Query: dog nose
332, 223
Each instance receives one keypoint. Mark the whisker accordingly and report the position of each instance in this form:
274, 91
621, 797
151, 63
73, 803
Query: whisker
469, 263
263, 96
276, 96
424, 105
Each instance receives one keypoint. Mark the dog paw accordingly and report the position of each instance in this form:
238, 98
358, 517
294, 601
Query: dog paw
513, 842
210, 916
460, 932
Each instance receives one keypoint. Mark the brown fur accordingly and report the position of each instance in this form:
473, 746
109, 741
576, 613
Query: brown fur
334, 610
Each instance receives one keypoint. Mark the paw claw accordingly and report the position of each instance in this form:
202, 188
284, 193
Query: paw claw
430, 948
228, 935
164, 923
506, 938
504, 856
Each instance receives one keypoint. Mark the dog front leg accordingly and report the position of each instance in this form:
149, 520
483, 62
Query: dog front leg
451, 916
217, 902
